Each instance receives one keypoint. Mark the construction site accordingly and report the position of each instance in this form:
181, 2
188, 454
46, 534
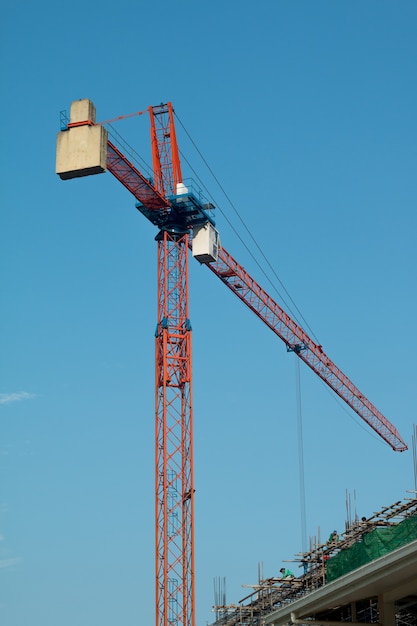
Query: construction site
368, 573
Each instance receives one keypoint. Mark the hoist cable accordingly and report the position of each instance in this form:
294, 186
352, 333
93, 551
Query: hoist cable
301, 457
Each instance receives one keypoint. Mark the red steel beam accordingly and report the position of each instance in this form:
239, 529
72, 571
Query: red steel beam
296, 339
134, 180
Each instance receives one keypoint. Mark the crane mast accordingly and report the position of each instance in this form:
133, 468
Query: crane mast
177, 211
174, 474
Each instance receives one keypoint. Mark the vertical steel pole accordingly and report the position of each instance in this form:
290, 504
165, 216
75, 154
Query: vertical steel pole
174, 438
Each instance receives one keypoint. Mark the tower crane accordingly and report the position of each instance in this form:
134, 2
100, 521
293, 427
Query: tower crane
184, 223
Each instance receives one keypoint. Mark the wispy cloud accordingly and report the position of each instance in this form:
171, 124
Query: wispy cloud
8, 398
9, 562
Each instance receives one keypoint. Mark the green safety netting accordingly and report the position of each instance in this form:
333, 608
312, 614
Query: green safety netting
374, 544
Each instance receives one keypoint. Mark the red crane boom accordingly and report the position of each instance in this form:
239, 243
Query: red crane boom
296, 339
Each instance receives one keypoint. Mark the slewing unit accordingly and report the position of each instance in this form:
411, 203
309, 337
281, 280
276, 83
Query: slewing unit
187, 212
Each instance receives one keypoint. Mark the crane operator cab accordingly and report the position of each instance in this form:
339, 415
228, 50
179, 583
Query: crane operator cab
197, 215
206, 243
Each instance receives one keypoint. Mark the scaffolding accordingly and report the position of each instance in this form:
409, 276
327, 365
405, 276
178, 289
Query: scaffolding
270, 594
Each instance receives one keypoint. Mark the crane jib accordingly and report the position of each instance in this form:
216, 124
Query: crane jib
244, 286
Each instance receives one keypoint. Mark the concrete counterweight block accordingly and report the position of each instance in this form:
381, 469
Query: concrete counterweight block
81, 150
82, 111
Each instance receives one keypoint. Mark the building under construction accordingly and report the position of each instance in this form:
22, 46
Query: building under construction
368, 574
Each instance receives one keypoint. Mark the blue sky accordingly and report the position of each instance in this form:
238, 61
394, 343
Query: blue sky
305, 112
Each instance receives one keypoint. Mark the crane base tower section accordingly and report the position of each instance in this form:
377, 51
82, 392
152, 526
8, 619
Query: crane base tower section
81, 150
